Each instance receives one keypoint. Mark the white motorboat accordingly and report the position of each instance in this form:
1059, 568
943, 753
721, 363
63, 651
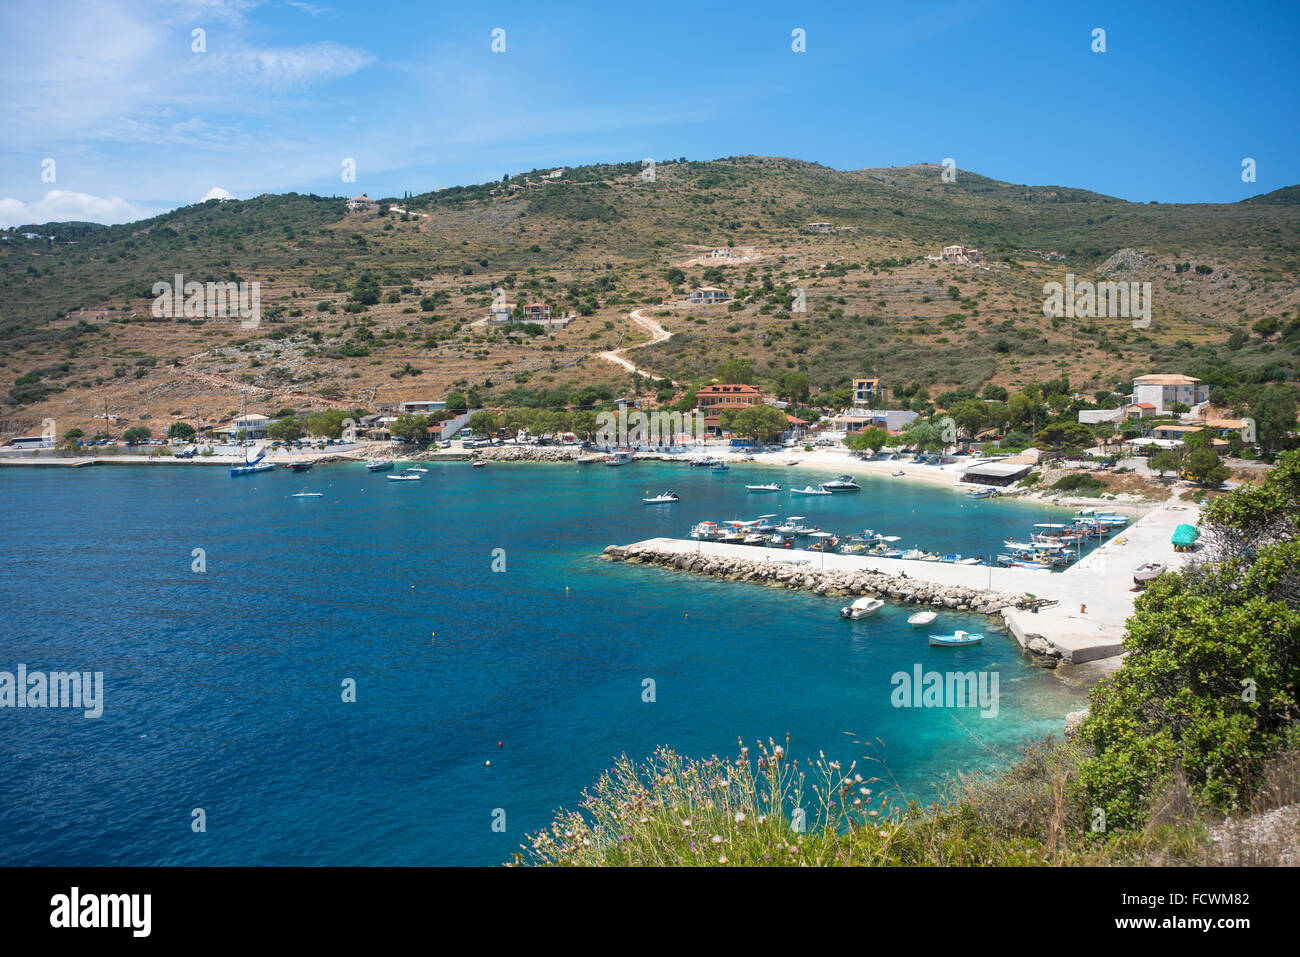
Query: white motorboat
864, 607
841, 483
478, 464
404, 477
418, 468
770, 487
621, 457
922, 618
306, 494
809, 490
1147, 571
982, 493
379, 465
664, 498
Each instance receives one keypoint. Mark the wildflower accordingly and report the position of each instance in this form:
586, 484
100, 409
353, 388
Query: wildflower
645, 820
717, 838
722, 859
686, 822
740, 817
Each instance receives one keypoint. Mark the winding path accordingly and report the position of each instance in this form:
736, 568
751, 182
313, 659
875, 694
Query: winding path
658, 334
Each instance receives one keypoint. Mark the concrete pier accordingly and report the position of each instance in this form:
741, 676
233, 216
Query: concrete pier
1095, 594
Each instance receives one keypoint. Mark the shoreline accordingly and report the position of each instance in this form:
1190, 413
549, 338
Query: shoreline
833, 461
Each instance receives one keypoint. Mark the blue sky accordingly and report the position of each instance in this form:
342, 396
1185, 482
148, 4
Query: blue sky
136, 121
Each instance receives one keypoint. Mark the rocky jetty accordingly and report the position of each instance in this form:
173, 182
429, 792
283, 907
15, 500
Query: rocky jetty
786, 574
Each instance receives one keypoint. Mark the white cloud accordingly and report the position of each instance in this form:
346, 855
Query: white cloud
295, 66
216, 192
62, 205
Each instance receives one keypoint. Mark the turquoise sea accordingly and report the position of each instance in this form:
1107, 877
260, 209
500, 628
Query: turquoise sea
224, 687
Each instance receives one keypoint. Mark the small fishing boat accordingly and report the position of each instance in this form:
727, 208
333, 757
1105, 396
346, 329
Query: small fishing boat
920, 555
478, 464
922, 618
299, 466
809, 490
956, 640
663, 498
1147, 571
418, 468
621, 457
770, 487
404, 477
718, 466
897, 474
842, 483
705, 531
379, 465
982, 493
306, 494
701, 461
864, 607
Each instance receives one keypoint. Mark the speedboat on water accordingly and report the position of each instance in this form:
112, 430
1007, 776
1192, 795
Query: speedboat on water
379, 465
809, 490
404, 477
718, 466
841, 483
770, 487
664, 498
864, 607
306, 494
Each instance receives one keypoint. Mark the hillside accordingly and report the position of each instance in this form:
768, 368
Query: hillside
363, 308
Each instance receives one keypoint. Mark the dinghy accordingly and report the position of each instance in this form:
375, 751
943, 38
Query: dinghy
922, 618
664, 498
1147, 571
957, 639
864, 607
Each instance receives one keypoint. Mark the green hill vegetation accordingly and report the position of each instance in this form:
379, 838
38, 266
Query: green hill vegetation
367, 307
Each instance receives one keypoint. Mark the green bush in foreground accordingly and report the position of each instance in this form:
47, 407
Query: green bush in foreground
1210, 686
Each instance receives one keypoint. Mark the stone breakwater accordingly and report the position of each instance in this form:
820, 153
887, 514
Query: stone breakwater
787, 574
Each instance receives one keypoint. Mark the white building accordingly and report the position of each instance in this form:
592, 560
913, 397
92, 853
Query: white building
1163, 391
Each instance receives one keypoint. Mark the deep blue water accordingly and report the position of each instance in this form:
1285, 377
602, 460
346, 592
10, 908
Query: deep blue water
223, 690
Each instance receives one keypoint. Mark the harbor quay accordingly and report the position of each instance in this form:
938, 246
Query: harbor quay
1071, 617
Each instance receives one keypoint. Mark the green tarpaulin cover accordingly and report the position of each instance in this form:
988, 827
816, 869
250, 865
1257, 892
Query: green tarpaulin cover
1185, 535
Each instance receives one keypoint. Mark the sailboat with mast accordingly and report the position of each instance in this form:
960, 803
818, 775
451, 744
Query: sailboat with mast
252, 462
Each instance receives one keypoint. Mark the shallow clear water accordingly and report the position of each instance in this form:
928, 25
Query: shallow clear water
223, 689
